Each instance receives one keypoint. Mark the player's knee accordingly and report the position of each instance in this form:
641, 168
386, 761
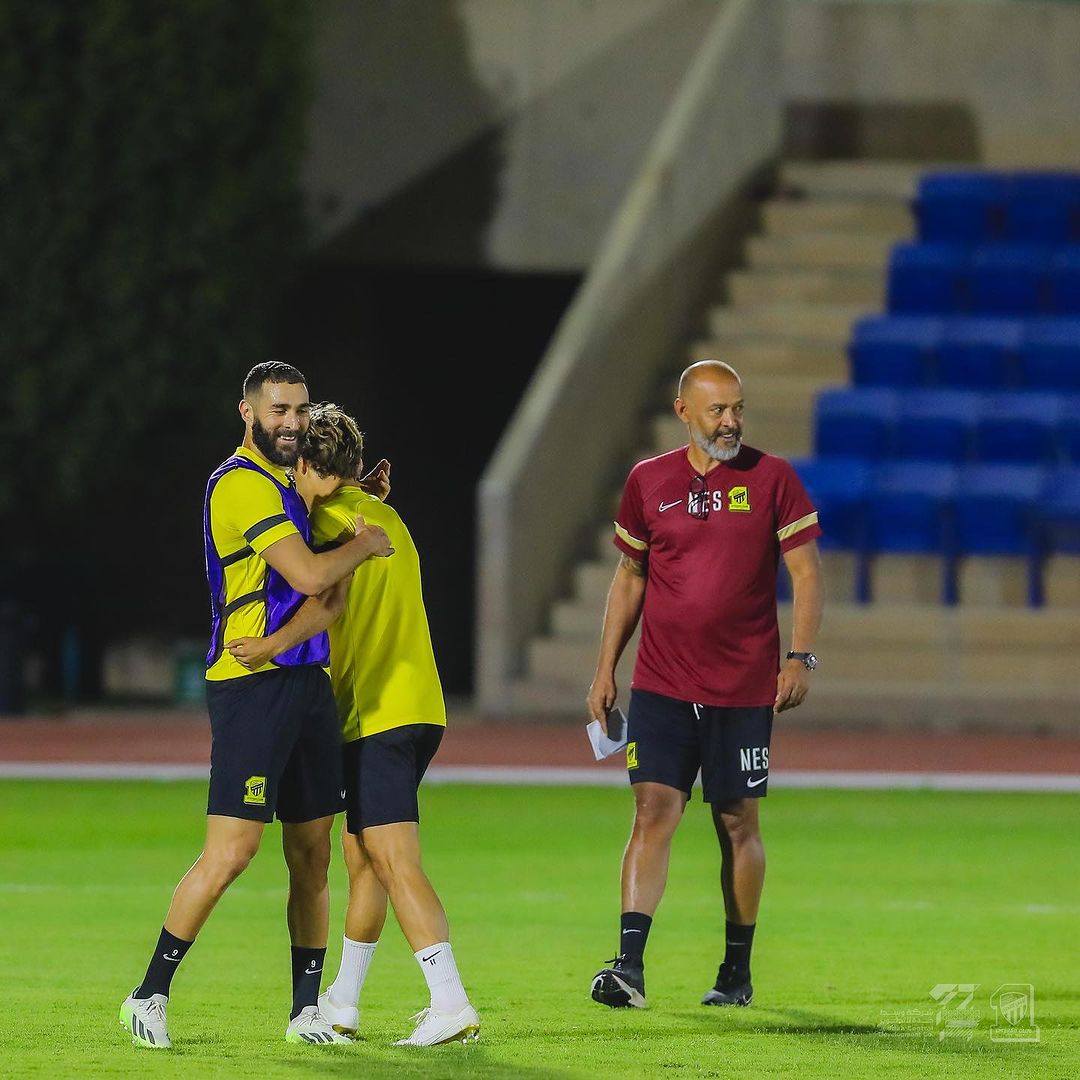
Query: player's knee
309, 861
392, 864
657, 816
739, 820
225, 862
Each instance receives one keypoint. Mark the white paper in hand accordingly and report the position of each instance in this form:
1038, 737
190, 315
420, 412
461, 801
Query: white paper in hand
605, 745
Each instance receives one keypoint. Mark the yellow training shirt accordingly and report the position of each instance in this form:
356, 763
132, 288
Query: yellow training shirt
381, 663
245, 519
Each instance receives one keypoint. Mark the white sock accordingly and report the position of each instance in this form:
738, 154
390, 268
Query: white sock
440, 970
355, 958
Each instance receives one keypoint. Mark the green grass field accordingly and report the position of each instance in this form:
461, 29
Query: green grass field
871, 900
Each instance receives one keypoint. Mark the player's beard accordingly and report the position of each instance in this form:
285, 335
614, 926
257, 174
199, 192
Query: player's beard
267, 446
717, 451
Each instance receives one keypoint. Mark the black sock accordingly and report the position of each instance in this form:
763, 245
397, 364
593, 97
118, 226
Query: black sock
307, 965
633, 934
163, 964
739, 940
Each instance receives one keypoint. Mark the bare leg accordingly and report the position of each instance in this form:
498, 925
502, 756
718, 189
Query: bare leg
230, 845
366, 914
659, 810
742, 865
307, 854
394, 853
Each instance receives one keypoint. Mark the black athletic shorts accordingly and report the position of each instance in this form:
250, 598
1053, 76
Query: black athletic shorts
383, 773
668, 741
276, 746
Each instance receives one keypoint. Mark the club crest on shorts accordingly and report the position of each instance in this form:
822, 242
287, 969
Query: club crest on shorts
255, 791
631, 755
738, 498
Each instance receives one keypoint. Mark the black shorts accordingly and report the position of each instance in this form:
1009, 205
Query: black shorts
668, 741
276, 746
383, 773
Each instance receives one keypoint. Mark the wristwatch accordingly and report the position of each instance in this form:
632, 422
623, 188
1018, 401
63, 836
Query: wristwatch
809, 660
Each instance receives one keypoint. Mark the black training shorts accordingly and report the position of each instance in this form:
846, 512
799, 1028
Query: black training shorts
668, 741
276, 746
383, 773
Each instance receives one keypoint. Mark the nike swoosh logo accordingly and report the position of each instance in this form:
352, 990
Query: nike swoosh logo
667, 506
171, 959
312, 971
631, 931
759, 780
433, 955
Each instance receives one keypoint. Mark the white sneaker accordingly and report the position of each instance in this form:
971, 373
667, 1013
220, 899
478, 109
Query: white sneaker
145, 1019
344, 1019
309, 1027
434, 1028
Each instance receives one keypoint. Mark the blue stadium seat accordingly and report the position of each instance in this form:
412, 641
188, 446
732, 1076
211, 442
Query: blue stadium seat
893, 350
838, 487
1050, 355
1005, 279
979, 353
1043, 208
908, 508
960, 207
1069, 430
1059, 515
995, 509
1065, 281
927, 279
1018, 428
855, 423
935, 425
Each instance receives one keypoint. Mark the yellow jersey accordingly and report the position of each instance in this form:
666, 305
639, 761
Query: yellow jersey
245, 513
381, 662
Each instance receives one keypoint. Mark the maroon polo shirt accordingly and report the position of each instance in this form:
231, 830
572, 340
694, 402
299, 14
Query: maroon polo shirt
709, 632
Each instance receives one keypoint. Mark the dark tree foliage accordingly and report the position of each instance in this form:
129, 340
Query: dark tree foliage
149, 207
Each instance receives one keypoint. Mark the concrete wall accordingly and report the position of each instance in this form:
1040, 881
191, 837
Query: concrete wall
502, 132
630, 317
1014, 68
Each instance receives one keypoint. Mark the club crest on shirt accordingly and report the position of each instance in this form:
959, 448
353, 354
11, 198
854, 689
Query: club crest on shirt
738, 498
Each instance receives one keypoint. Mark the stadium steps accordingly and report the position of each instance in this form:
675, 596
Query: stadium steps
895, 663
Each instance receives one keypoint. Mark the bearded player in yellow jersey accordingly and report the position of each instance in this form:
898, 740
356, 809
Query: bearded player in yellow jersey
392, 712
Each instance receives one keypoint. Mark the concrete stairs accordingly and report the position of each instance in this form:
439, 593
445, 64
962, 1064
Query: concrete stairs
820, 264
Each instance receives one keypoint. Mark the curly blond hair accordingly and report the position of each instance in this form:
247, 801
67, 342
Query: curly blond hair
333, 444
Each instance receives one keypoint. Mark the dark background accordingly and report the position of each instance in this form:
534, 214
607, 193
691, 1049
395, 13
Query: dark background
156, 246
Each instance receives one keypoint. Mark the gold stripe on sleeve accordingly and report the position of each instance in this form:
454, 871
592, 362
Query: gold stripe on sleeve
626, 538
796, 526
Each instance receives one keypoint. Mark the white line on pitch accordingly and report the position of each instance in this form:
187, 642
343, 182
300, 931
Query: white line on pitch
584, 776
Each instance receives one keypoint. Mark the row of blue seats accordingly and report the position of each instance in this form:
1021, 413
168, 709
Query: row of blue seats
997, 279
922, 507
955, 426
976, 207
966, 351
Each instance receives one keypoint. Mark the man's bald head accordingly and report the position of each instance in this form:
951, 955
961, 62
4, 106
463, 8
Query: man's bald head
705, 369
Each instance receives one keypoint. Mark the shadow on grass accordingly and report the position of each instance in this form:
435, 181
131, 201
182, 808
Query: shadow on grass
431, 1063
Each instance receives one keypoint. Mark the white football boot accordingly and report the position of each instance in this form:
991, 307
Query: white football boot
308, 1026
434, 1028
145, 1019
343, 1019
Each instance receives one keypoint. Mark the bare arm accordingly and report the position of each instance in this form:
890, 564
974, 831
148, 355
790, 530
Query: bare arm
310, 573
804, 566
625, 599
313, 617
